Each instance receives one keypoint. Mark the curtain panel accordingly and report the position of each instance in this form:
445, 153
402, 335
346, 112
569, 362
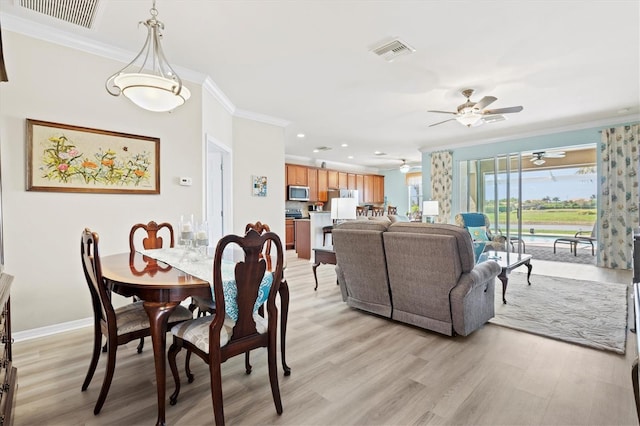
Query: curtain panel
618, 216
442, 183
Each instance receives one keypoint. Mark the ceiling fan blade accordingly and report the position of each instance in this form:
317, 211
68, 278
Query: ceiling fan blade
493, 118
443, 112
484, 102
440, 122
502, 110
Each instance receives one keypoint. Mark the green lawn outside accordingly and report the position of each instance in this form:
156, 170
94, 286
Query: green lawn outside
586, 217
538, 218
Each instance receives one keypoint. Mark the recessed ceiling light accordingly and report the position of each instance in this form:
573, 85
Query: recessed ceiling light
316, 150
300, 135
344, 145
350, 157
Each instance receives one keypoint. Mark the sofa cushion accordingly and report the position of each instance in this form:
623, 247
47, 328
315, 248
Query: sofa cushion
363, 225
398, 218
361, 266
462, 236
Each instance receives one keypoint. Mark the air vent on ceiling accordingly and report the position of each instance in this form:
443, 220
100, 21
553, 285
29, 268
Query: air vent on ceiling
322, 148
78, 12
392, 49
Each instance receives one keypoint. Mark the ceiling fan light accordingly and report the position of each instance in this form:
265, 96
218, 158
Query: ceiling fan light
470, 119
405, 168
539, 162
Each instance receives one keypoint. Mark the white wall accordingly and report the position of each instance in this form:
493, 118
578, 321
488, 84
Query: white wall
259, 151
42, 230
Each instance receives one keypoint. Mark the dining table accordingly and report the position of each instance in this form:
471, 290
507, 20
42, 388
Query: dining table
162, 279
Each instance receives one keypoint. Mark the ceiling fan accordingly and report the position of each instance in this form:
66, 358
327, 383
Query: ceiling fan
473, 114
538, 158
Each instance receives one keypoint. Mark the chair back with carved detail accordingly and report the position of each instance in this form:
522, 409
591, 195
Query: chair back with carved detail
377, 211
361, 211
392, 210
154, 235
238, 328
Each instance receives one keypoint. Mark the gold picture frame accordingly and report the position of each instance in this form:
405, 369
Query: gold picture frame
66, 158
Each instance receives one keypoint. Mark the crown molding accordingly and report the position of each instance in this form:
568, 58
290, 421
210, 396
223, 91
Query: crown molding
241, 113
49, 34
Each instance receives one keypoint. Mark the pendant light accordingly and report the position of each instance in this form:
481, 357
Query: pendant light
148, 80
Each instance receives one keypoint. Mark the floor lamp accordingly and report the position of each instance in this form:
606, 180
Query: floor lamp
430, 209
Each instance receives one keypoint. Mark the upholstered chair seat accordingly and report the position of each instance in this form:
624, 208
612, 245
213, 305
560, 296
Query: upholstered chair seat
133, 317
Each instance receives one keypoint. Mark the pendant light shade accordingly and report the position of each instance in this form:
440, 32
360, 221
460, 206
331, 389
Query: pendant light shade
148, 80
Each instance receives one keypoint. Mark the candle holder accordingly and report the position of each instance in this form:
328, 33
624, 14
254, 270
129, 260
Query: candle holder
202, 239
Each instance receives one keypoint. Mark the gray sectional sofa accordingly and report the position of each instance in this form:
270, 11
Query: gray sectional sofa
417, 273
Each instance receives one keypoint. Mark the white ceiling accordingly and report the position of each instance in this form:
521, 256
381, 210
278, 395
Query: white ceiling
570, 64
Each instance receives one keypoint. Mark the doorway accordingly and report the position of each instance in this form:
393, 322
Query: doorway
218, 188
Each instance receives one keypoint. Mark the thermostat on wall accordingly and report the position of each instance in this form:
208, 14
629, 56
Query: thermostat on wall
185, 181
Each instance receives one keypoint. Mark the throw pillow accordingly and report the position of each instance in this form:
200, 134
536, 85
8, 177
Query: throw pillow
478, 233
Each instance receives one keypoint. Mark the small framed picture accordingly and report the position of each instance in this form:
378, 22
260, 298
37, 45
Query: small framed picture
259, 186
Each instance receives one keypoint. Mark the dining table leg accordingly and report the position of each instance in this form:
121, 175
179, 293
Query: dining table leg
158, 318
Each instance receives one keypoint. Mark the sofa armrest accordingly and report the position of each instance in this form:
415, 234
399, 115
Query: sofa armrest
472, 299
479, 275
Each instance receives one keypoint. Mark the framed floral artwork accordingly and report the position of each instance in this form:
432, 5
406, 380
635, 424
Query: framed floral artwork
65, 158
259, 186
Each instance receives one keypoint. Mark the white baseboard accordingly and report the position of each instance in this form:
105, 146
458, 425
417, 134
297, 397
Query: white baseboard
34, 333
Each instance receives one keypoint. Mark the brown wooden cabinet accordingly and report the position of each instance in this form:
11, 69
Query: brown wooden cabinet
312, 182
360, 188
297, 175
303, 238
323, 185
351, 181
378, 189
8, 373
342, 180
368, 188
333, 179
289, 234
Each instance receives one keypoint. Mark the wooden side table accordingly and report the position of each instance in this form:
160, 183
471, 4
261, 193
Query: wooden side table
322, 255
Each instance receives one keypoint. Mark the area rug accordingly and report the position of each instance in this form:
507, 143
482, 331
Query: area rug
562, 254
587, 313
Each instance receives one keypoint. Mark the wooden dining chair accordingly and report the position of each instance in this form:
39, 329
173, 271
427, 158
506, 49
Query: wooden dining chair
218, 337
119, 326
151, 239
392, 210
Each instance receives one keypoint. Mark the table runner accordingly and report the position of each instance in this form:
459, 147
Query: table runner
203, 269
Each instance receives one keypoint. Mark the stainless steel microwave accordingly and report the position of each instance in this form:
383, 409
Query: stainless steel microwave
298, 193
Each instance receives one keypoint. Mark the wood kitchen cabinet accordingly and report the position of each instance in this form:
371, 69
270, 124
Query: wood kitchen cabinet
312, 182
333, 179
342, 180
297, 175
303, 238
378, 189
351, 181
323, 185
360, 188
368, 188
289, 234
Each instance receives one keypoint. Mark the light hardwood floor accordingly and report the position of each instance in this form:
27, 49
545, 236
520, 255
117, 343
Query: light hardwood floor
349, 368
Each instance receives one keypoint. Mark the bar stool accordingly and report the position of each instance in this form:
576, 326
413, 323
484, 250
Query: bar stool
326, 230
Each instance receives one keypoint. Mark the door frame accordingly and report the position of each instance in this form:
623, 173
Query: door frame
215, 147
